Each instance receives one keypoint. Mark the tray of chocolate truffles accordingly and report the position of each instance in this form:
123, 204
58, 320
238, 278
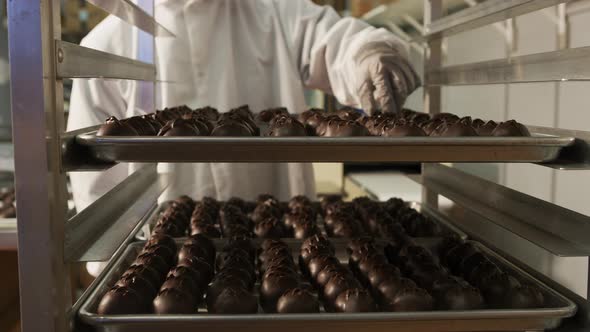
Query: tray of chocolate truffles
392, 281
298, 218
181, 134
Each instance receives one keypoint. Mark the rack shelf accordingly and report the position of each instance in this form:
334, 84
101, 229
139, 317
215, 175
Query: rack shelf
278, 149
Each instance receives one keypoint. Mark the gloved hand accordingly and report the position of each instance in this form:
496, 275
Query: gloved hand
384, 77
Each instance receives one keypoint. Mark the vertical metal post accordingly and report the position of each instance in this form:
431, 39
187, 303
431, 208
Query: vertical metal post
432, 94
37, 117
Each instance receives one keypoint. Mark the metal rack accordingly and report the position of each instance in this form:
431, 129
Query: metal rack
49, 243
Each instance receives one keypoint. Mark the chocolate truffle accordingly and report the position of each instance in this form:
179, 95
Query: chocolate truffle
486, 129
297, 300
114, 127
379, 273
311, 119
286, 126
269, 228
189, 272
269, 114
402, 129
304, 230
233, 300
135, 281
510, 128
183, 283
145, 271
459, 297
220, 283
525, 297
348, 113
342, 128
273, 286
230, 128
158, 263
205, 229
179, 127
330, 271
208, 112
121, 301
447, 117
497, 287
193, 251
388, 288
338, 284
160, 250
354, 300
174, 301
298, 203
162, 239
409, 299
142, 126
455, 129
317, 263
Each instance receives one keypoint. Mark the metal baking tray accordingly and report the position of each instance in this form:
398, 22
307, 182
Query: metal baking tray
558, 307
538, 148
442, 221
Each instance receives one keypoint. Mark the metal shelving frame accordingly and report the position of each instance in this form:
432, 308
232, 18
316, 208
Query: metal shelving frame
49, 244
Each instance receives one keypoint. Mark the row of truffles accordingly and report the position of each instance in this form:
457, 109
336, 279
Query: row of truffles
347, 122
242, 278
7, 202
268, 218
264, 218
499, 288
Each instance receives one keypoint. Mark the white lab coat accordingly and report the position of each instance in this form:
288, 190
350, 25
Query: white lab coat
226, 53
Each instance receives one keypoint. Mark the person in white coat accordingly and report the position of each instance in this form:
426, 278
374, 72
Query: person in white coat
227, 53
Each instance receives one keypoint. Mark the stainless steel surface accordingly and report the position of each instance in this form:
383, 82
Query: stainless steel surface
476, 320
563, 65
8, 233
484, 13
433, 58
38, 119
558, 230
75, 61
95, 233
575, 156
275, 149
134, 15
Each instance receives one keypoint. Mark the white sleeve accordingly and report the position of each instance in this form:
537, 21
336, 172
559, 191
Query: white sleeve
324, 46
91, 102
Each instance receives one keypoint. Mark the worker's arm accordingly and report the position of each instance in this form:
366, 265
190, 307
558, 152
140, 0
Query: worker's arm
362, 66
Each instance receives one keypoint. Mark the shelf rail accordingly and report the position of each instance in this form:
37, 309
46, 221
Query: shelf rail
75, 61
562, 65
487, 12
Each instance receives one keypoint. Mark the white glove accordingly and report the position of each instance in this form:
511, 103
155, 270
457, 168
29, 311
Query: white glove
384, 77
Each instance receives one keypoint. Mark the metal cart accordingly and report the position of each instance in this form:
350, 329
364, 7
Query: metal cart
49, 243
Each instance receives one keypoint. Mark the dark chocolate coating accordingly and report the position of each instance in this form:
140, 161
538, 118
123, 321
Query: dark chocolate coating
274, 286
233, 300
193, 251
168, 229
179, 127
269, 228
158, 263
510, 128
142, 126
448, 117
144, 288
162, 251
409, 299
480, 272
208, 112
174, 301
297, 300
497, 287
426, 274
460, 297
121, 301
205, 229
183, 283
269, 114
189, 272
199, 264
347, 113
299, 202
318, 263
303, 230
343, 128
330, 271
230, 128
525, 297
354, 300
287, 126
114, 127
454, 129
388, 288
145, 271
221, 282
402, 129
486, 129
379, 273
338, 284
